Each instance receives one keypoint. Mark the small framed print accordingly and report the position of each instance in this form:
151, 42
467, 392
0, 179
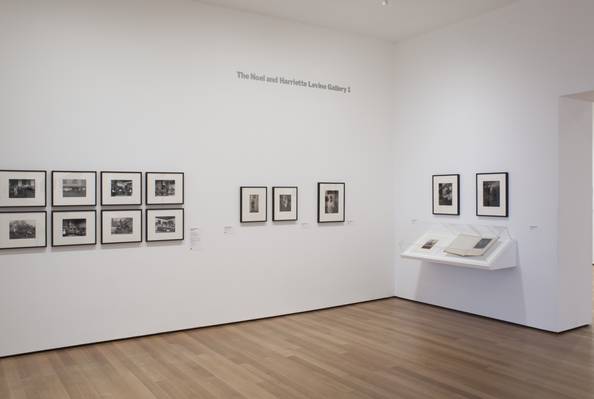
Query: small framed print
121, 226
19, 230
164, 225
22, 188
70, 188
492, 194
164, 188
253, 204
285, 205
74, 228
446, 194
121, 188
331, 204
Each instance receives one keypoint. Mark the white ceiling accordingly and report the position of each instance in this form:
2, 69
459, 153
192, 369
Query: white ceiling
396, 21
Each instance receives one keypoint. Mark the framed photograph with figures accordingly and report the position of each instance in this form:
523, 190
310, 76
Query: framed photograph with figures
253, 204
164, 224
121, 226
492, 194
70, 228
446, 194
121, 188
331, 202
22, 188
284, 204
20, 230
73, 188
164, 188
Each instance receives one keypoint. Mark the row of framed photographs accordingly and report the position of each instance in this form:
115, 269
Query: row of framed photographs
20, 230
27, 188
492, 194
253, 203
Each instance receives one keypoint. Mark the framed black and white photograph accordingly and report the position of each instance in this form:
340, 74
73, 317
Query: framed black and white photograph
19, 230
331, 202
446, 194
284, 204
22, 188
164, 225
253, 204
492, 194
164, 188
74, 188
121, 188
121, 226
74, 228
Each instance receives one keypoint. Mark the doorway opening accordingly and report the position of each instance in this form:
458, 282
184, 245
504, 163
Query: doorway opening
576, 208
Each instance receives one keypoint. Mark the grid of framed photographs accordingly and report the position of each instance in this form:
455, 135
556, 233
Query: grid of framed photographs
73, 191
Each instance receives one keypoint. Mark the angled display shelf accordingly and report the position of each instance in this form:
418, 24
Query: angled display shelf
428, 242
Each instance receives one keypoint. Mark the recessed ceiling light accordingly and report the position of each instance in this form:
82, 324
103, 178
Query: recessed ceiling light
384, 2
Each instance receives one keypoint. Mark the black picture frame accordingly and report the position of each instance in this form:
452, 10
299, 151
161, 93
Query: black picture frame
433, 205
121, 210
342, 220
44, 233
241, 189
121, 172
146, 184
44, 188
74, 171
183, 212
506, 185
274, 216
94, 211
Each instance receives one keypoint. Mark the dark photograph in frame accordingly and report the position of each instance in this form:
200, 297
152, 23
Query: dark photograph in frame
446, 194
164, 188
285, 203
121, 188
331, 202
74, 228
23, 188
121, 226
165, 224
492, 194
253, 204
23, 230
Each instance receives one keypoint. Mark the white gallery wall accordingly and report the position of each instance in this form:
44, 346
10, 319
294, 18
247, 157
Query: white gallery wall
485, 96
152, 86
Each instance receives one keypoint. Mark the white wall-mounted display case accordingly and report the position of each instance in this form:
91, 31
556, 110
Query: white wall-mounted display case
428, 241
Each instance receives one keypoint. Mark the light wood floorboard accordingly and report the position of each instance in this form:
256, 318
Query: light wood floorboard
384, 349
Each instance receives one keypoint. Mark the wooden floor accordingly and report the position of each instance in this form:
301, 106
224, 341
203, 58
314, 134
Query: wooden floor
384, 349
